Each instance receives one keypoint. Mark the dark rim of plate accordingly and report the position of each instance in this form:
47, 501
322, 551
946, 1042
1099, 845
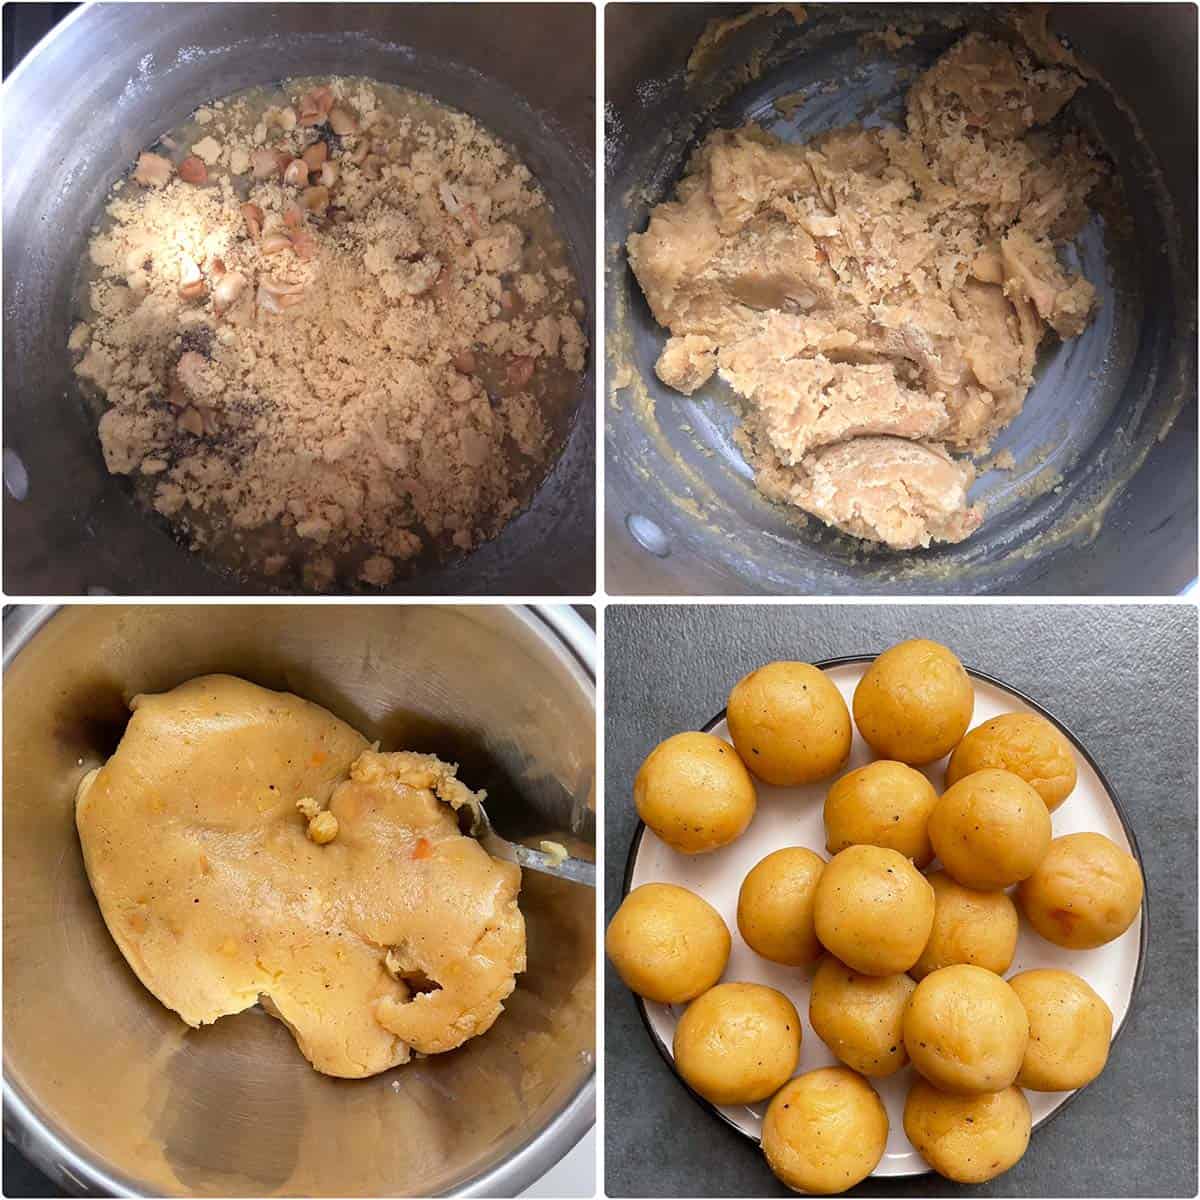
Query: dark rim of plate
1110, 791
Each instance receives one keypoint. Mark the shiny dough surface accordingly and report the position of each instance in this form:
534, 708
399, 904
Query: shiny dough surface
398, 935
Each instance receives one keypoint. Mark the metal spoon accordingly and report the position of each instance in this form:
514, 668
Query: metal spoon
474, 823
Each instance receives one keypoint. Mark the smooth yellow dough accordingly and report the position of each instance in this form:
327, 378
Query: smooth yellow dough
965, 1030
969, 1139
1070, 1030
397, 935
738, 1043
990, 830
667, 943
775, 906
1085, 892
873, 910
825, 1131
976, 928
861, 1017
1027, 745
789, 723
695, 793
914, 702
882, 804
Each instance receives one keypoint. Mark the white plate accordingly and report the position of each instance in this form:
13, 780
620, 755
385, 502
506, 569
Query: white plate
793, 817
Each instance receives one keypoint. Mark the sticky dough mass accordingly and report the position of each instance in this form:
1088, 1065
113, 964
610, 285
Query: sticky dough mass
878, 296
399, 935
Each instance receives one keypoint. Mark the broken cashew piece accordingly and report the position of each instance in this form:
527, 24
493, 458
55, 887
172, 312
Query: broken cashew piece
323, 828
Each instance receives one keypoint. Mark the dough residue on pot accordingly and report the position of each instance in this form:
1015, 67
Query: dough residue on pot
878, 296
718, 29
248, 847
338, 332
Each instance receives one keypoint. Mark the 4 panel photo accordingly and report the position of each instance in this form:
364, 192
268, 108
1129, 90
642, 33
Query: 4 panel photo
431, 429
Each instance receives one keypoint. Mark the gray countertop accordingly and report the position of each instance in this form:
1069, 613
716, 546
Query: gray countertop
1124, 680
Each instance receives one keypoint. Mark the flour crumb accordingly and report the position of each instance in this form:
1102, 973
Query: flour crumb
207, 149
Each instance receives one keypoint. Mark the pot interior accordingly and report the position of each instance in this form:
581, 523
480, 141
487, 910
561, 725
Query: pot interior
683, 512
142, 1103
112, 79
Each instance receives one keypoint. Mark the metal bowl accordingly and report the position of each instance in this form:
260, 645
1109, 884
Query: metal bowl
109, 1092
1104, 496
110, 80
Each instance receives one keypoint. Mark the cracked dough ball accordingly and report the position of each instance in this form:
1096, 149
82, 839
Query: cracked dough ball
1085, 892
1027, 745
860, 1017
969, 1139
882, 804
977, 928
966, 1031
990, 830
738, 1043
873, 910
775, 906
789, 723
1070, 1029
825, 1131
667, 944
695, 793
914, 702
398, 935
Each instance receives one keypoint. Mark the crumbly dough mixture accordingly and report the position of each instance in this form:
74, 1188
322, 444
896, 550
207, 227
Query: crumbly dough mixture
343, 320
878, 296
246, 846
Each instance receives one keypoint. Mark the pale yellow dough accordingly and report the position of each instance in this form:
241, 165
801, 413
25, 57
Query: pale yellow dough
397, 934
878, 296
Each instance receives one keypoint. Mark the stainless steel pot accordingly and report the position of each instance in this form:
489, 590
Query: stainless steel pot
1113, 414
109, 1092
104, 85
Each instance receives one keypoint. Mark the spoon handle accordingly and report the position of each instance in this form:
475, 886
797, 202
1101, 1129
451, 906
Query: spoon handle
577, 870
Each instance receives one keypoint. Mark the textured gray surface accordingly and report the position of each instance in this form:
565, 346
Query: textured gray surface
1123, 679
